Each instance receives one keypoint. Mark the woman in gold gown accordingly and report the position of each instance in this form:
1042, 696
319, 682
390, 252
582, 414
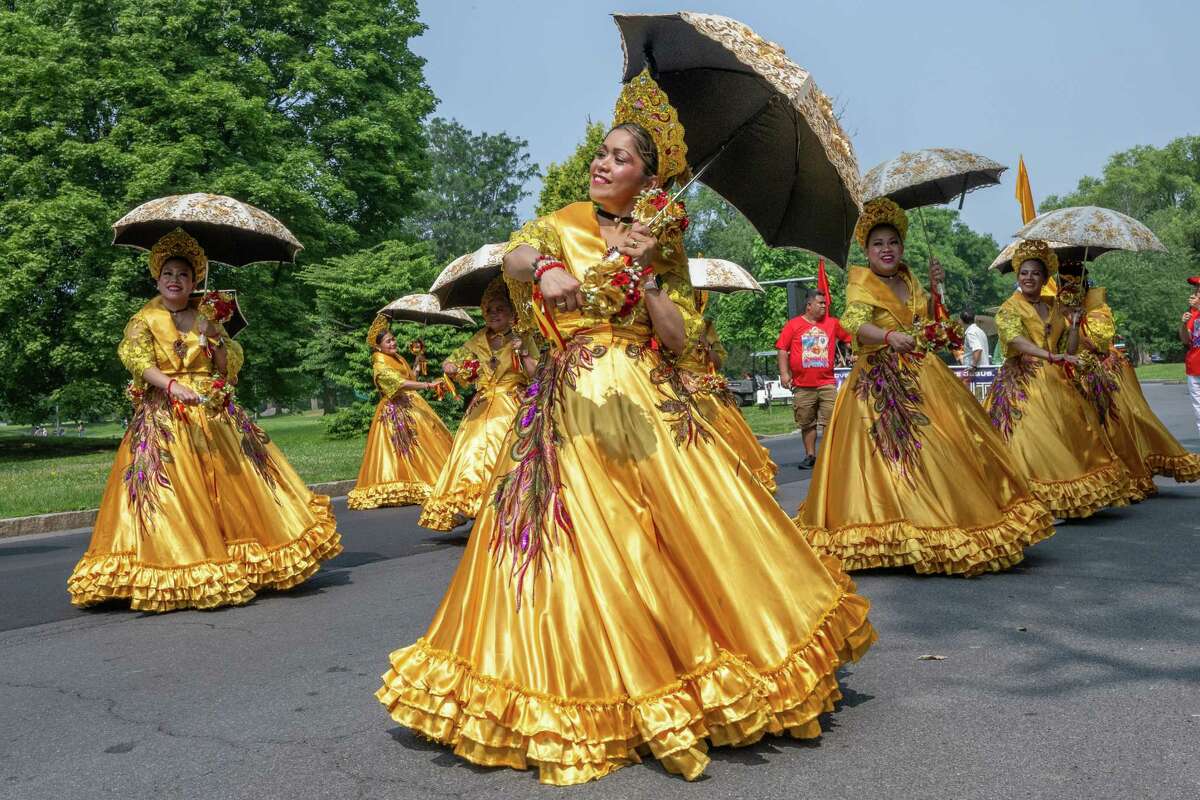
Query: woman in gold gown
498, 364
700, 364
407, 443
911, 473
1054, 436
1138, 437
625, 593
201, 509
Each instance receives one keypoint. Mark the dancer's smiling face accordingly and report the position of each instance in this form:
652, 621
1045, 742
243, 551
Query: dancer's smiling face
885, 250
498, 315
1031, 277
388, 344
176, 280
620, 169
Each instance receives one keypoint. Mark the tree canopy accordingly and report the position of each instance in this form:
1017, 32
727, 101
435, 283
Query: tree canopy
476, 181
312, 111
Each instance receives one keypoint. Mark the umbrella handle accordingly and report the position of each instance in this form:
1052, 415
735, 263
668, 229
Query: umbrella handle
935, 289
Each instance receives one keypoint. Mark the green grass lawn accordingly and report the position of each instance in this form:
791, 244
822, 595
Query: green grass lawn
768, 422
67, 473
1160, 372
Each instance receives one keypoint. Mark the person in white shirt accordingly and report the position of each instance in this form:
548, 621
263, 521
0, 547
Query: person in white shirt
975, 343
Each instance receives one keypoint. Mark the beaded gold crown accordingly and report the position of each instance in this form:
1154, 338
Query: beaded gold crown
178, 244
379, 325
496, 290
1038, 250
880, 211
644, 103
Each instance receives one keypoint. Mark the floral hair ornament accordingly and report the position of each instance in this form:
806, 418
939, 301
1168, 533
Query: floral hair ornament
1036, 250
379, 326
178, 244
880, 211
642, 102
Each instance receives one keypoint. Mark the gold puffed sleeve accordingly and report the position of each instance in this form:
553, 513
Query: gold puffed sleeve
136, 349
856, 315
1009, 327
678, 287
1101, 328
541, 236
235, 356
389, 380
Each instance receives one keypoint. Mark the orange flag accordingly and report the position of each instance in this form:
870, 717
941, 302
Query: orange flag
1024, 193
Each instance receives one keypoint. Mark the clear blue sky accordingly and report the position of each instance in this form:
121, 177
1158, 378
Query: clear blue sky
1065, 83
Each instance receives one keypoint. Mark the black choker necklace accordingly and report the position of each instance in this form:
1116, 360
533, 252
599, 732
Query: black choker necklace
614, 217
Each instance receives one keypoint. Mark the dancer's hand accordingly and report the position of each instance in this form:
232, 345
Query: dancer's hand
184, 394
640, 245
560, 290
901, 342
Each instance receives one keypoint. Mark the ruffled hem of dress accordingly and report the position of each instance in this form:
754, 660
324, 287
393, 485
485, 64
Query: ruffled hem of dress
1184, 468
947, 551
1081, 497
399, 493
120, 576
766, 476
291, 564
440, 513
728, 701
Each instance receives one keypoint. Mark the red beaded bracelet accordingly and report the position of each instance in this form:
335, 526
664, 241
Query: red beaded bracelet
886, 334
545, 266
169, 386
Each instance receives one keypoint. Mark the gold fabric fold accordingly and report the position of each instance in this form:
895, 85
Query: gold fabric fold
462, 483
1144, 444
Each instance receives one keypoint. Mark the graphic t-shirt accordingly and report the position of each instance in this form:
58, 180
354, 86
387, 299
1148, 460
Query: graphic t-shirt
1192, 359
810, 348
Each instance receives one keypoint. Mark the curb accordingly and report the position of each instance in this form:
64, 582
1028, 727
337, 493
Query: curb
71, 520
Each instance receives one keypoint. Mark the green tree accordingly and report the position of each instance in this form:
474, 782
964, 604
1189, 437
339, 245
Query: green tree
347, 292
311, 110
567, 182
475, 183
717, 229
1159, 186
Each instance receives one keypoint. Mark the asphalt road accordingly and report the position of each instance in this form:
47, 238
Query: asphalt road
1075, 675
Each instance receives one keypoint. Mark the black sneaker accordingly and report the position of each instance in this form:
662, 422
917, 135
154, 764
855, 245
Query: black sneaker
808, 462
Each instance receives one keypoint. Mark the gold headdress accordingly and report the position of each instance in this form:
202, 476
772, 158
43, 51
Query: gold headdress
1035, 249
380, 325
880, 211
644, 103
178, 244
497, 289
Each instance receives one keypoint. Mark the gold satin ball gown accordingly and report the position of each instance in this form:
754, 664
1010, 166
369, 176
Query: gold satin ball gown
200, 509
625, 592
406, 446
462, 484
911, 472
1054, 436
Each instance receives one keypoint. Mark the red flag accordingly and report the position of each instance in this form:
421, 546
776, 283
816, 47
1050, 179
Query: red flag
823, 286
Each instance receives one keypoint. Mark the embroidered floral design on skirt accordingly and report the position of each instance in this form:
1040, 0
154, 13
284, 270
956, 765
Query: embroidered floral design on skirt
890, 384
532, 490
1008, 392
